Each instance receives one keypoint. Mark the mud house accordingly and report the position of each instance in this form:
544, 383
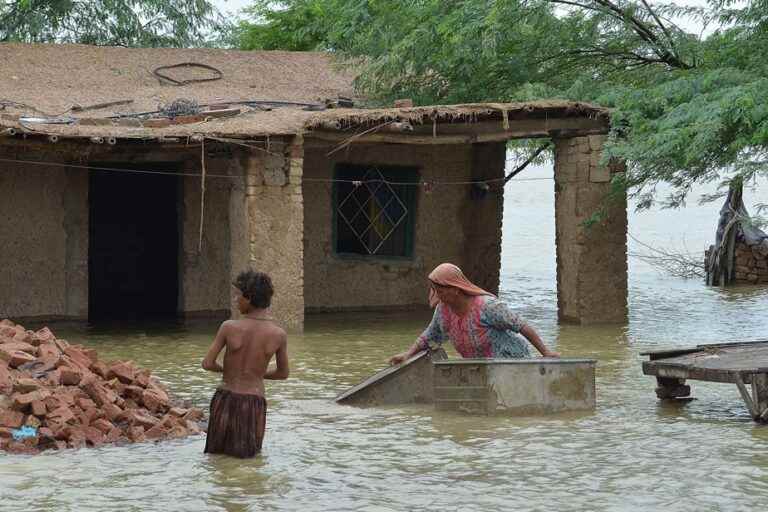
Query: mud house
141, 180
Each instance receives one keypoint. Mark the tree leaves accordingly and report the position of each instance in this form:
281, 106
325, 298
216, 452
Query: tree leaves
177, 23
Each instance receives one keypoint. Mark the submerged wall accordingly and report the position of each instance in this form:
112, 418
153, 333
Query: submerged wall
43, 241
44, 225
449, 225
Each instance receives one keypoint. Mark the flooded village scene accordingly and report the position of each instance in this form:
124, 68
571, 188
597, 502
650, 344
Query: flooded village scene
344, 255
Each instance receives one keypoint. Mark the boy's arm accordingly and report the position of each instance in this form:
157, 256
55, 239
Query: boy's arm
210, 363
281, 371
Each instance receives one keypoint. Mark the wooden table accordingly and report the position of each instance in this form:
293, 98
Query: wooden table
739, 363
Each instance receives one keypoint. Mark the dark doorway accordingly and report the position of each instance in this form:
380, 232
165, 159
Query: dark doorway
134, 243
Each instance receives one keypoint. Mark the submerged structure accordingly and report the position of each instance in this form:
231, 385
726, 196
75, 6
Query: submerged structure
513, 387
740, 251
140, 181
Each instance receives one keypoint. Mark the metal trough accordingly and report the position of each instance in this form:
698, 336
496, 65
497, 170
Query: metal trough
407, 383
481, 386
517, 387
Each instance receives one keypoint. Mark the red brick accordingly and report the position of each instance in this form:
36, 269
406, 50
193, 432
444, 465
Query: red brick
192, 427
156, 432
125, 371
15, 358
102, 424
177, 432
76, 437
154, 401
6, 432
61, 415
22, 346
113, 435
93, 436
92, 354
48, 350
101, 369
6, 384
43, 335
85, 403
25, 385
139, 417
77, 354
194, 414
136, 434
11, 419
178, 411
111, 411
22, 401
32, 421
39, 408
70, 376
53, 378
62, 344
132, 392
99, 393
142, 378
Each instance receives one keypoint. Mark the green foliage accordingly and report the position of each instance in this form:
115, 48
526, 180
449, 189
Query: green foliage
687, 109
110, 22
276, 28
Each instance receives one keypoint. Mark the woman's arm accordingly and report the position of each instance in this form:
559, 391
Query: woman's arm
532, 336
209, 362
498, 315
433, 333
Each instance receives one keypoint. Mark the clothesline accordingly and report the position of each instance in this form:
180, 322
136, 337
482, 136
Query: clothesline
422, 183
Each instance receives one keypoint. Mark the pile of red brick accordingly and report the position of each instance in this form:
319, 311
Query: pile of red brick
72, 399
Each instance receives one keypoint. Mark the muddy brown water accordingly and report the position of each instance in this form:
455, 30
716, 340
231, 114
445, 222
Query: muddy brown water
632, 453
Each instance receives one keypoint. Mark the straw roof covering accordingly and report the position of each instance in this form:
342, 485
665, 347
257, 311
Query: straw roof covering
47, 81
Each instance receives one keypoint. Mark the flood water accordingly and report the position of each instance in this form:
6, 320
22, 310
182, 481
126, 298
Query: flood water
632, 453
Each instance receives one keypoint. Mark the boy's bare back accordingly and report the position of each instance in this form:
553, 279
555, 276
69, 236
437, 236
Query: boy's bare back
250, 345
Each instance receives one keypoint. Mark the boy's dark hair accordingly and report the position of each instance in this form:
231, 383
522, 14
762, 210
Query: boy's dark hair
256, 287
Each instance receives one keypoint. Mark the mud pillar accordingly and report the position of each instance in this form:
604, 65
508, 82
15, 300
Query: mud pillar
591, 260
274, 220
482, 214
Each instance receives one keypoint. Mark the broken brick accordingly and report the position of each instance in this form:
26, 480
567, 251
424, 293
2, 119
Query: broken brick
25, 385
15, 358
39, 408
11, 419
136, 434
125, 371
154, 401
70, 376
104, 425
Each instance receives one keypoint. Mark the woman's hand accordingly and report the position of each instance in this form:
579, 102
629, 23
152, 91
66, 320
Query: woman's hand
550, 353
398, 358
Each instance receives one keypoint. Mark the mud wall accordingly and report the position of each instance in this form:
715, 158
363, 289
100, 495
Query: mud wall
450, 225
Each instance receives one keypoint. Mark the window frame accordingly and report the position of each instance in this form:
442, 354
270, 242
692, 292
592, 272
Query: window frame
413, 174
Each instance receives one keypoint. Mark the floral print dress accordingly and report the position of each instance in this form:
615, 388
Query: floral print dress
488, 330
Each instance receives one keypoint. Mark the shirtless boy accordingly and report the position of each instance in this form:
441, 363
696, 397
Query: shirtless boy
238, 409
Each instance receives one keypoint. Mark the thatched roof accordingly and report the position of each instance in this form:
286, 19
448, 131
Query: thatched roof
71, 81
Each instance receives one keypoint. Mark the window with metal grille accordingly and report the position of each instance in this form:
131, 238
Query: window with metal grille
374, 210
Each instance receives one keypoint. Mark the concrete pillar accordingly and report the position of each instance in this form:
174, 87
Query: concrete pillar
591, 260
275, 223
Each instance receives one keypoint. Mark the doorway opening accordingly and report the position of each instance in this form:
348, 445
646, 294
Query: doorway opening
133, 253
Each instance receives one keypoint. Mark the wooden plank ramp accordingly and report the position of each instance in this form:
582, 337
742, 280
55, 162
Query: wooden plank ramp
741, 363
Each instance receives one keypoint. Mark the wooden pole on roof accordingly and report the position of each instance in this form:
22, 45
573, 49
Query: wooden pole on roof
202, 196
